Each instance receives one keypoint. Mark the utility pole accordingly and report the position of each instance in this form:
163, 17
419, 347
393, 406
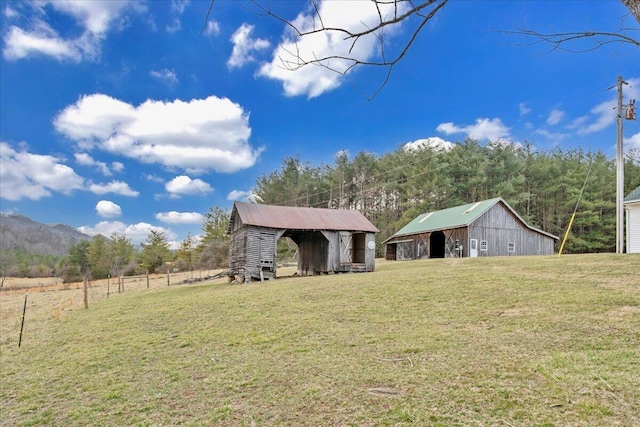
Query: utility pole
619, 176
625, 112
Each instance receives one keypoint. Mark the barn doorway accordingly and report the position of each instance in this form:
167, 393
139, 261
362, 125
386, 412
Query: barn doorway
436, 244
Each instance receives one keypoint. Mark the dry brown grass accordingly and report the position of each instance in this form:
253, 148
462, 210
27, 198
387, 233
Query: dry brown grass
522, 341
49, 298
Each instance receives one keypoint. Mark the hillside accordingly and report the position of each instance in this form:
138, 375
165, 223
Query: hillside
511, 341
20, 233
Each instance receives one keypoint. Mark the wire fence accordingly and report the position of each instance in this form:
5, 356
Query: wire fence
50, 300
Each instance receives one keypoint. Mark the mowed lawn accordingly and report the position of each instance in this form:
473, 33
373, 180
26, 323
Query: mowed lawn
518, 341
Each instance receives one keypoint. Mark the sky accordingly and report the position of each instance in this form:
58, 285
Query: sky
131, 116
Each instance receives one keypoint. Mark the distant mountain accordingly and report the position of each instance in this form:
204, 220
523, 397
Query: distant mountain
17, 232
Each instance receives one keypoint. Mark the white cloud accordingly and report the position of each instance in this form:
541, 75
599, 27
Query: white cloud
33, 176
633, 141
524, 110
136, 232
554, 136
491, 129
183, 185
603, 115
117, 187
177, 8
293, 51
244, 46
174, 217
555, 117
249, 196
196, 136
94, 17
108, 209
10, 13
86, 160
117, 166
212, 28
433, 142
166, 76
153, 178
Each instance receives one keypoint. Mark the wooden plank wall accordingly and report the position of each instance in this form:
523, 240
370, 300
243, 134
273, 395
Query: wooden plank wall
498, 226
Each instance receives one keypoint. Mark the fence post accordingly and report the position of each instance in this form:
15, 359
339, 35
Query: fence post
108, 280
86, 292
168, 280
122, 281
24, 311
147, 279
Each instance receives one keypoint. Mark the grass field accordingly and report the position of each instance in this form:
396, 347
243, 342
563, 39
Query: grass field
521, 341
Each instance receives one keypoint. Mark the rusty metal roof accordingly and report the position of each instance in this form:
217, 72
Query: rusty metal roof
295, 218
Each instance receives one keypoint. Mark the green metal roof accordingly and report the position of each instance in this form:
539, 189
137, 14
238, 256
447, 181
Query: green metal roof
459, 216
634, 196
456, 217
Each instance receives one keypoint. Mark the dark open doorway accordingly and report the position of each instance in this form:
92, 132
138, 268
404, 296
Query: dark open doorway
436, 244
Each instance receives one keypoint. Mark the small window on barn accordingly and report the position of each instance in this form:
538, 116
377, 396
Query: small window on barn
511, 247
483, 245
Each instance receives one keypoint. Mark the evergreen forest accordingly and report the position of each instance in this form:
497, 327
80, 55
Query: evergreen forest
393, 188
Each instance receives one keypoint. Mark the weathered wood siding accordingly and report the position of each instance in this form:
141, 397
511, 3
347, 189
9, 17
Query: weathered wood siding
313, 253
252, 253
349, 251
453, 240
420, 246
238, 253
498, 227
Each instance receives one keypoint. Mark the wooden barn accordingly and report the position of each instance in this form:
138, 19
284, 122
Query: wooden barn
632, 207
329, 240
486, 228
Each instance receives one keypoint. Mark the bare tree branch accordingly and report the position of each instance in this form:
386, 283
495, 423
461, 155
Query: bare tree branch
414, 15
567, 41
559, 41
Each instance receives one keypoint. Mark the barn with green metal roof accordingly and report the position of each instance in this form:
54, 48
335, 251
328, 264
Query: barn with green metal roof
484, 228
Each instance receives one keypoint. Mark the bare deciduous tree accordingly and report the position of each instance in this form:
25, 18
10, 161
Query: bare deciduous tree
414, 15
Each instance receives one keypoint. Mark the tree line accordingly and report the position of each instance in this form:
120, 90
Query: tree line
390, 190
103, 257
393, 188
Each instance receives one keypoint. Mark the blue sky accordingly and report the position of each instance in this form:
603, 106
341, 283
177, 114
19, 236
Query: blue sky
130, 116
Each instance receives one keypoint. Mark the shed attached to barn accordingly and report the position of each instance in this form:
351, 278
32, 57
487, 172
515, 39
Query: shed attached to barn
632, 207
329, 240
486, 228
